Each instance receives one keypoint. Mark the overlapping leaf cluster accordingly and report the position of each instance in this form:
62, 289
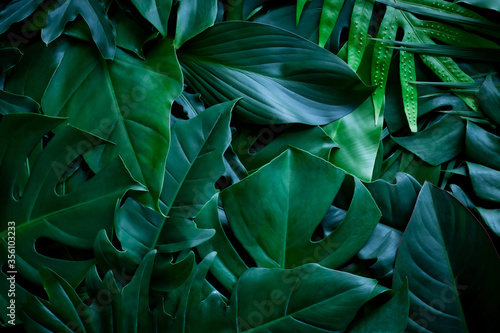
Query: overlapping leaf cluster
260, 166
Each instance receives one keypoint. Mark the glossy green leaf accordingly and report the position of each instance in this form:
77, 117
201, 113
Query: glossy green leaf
93, 12
438, 143
309, 298
193, 17
391, 317
485, 181
329, 15
489, 100
293, 80
41, 212
194, 164
311, 139
492, 218
482, 146
439, 254
16, 11
126, 101
395, 200
279, 233
156, 12
382, 246
358, 138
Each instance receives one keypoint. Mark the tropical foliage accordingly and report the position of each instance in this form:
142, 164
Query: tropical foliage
250, 165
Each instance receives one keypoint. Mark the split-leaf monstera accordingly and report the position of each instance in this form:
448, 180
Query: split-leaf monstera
249, 166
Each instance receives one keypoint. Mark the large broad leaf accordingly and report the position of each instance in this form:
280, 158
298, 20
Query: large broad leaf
281, 77
71, 219
114, 309
126, 101
93, 12
193, 166
358, 138
439, 254
193, 17
279, 232
309, 298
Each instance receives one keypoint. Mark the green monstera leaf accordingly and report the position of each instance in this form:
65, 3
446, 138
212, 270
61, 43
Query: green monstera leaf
279, 233
69, 218
131, 97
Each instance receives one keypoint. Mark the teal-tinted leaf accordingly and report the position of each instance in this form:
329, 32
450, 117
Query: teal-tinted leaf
193, 17
439, 254
194, 162
279, 233
156, 12
438, 143
193, 166
382, 246
485, 181
489, 100
482, 146
395, 200
492, 218
126, 101
489, 4
93, 12
39, 211
391, 317
310, 139
297, 300
281, 77
358, 138
12, 103
16, 11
